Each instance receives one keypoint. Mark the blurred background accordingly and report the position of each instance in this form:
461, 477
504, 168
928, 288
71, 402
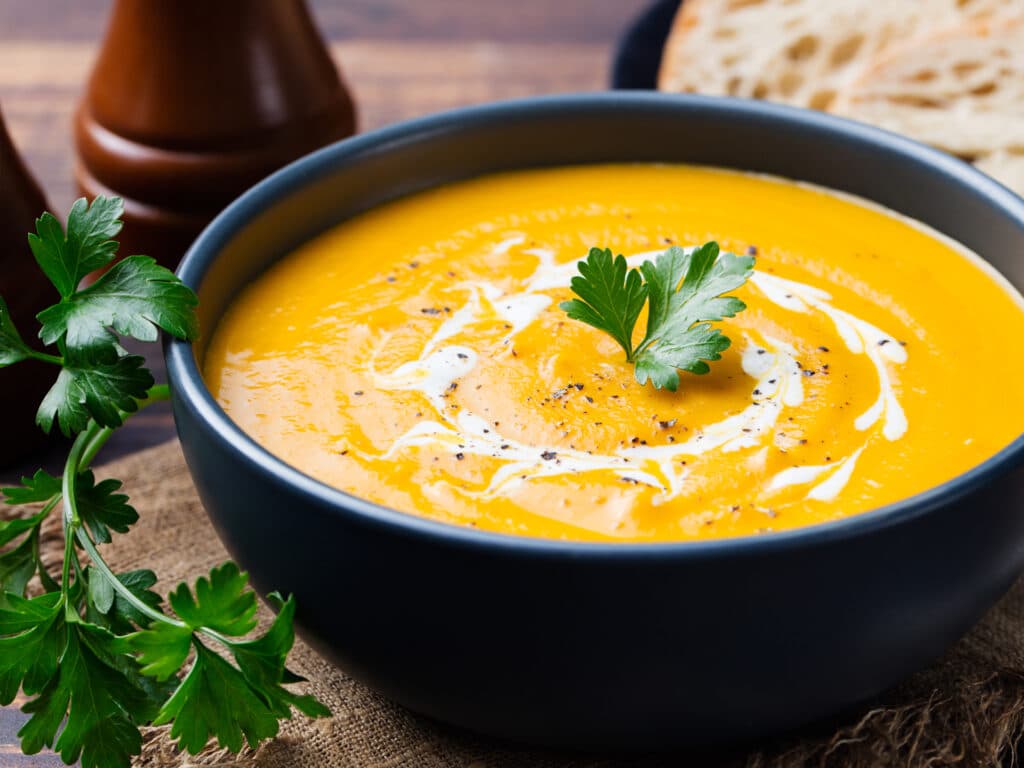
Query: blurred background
401, 58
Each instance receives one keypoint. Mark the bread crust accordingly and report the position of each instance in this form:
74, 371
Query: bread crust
688, 16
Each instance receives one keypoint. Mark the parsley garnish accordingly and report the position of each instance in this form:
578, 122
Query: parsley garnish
94, 651
684, 295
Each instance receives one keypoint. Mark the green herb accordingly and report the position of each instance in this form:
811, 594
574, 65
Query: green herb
94, 651
684, 295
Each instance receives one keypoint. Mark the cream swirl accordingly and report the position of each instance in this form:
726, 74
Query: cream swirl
771, 363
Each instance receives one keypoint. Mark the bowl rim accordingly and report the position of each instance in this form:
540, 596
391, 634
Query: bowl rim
187, 382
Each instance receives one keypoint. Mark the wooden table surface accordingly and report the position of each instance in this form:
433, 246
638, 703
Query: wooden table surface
402, 58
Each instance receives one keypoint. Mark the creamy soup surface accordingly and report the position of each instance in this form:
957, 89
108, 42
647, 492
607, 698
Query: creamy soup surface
416, 356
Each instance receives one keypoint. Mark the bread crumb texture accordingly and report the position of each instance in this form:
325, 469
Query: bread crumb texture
946, 72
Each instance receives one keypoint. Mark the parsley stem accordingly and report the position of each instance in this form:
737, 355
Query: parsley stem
69, 550
100, 564
71, 469
156, 394
35, 355
83, 451
71, 518
215, 635
98, 440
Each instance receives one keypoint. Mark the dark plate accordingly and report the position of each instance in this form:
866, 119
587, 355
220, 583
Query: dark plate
638, 54
598, 646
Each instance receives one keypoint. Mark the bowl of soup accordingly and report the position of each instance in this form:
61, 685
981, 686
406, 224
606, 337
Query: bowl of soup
486, 518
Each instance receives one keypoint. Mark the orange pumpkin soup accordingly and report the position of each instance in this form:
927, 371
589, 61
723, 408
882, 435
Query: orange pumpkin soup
416, 356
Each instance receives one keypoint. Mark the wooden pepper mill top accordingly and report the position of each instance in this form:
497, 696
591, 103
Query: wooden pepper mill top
26, 291
192, 102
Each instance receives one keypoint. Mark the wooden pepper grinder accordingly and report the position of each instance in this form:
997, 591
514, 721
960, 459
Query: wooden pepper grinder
193, 101
26, 291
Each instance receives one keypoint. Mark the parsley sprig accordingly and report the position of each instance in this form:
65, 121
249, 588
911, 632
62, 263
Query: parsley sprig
683, 291
96, 652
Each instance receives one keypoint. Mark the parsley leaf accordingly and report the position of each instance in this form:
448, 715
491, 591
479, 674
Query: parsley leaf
96, 655
101, 391
162, 649
103, 509
234, 705
678, 332
610, 296
659, 364
684, 291
101, 590
12, 348
706, 275
42, 486
215, 700
221, 603
134, 298
29, 640
12, 529
18, 565
262, 662
87, 246
97, 703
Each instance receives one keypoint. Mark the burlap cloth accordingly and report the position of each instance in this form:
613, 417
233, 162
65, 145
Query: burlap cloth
968, 710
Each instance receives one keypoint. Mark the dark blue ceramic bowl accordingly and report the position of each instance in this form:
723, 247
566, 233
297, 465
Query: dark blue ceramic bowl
631, 646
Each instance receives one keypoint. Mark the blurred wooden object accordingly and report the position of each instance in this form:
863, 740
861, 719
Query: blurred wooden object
192, 102
26, 291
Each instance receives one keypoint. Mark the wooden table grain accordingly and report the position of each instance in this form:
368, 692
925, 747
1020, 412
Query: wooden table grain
402, 58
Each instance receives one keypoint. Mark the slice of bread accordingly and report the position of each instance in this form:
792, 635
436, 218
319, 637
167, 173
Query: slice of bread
960, 89
946, 72
801, 52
